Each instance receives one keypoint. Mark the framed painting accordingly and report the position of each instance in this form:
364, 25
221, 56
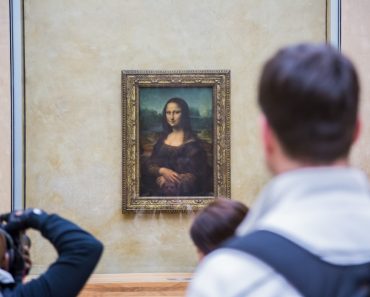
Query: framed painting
175, 139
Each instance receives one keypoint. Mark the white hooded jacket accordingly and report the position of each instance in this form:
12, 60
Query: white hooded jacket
326, 210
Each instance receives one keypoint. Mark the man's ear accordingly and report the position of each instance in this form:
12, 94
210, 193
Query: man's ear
357, 132
266, 135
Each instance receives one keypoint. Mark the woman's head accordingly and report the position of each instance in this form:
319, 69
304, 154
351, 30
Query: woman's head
216, 223
176, 114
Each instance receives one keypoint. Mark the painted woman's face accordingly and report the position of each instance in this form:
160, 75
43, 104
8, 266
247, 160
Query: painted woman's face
173, 114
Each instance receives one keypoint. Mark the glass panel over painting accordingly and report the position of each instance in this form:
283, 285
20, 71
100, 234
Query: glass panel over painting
176, 164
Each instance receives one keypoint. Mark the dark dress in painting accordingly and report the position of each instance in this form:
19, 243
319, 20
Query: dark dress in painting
188, 160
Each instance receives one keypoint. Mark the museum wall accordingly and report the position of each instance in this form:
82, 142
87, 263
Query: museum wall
355, 43
74, 53
5, 137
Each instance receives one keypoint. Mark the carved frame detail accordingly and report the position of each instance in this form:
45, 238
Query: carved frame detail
132, 80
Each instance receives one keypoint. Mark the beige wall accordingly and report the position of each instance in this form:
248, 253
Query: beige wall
355, 43
5, 140
75, 51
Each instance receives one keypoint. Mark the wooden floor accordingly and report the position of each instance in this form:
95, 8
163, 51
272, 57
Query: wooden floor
159, 284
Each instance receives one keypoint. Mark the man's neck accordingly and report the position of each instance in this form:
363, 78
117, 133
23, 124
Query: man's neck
288, 164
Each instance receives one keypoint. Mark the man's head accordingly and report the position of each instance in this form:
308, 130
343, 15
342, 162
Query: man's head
309, 97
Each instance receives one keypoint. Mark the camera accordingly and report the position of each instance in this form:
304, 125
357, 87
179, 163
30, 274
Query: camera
17, 249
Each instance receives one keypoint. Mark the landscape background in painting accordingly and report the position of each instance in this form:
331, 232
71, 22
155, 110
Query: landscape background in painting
151, 104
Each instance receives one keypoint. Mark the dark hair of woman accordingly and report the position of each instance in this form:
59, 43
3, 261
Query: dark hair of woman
2, 250
185, 118
216, 223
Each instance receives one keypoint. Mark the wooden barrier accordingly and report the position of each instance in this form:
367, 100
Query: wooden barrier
130, 285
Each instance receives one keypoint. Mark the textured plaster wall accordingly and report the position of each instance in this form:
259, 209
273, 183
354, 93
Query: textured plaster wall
75, 51
5, 140
356, 44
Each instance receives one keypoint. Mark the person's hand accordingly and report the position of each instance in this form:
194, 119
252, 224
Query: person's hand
25, 251
169, 175
21, 220
161, 181
168, 188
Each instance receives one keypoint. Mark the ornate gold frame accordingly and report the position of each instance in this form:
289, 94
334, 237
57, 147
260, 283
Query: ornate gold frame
132, 80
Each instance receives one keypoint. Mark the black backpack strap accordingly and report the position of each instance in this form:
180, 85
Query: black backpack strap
311, 276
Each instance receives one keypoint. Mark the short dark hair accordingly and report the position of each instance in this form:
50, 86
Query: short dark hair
216, 223
309, 95
2, 247
185, 117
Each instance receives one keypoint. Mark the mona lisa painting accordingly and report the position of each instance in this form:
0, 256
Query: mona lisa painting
176, 139
176, 142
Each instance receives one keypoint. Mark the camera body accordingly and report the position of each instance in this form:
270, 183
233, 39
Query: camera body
15, 245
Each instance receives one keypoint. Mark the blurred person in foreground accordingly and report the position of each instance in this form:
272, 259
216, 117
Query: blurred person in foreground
216, 223
309, 96
78, 254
